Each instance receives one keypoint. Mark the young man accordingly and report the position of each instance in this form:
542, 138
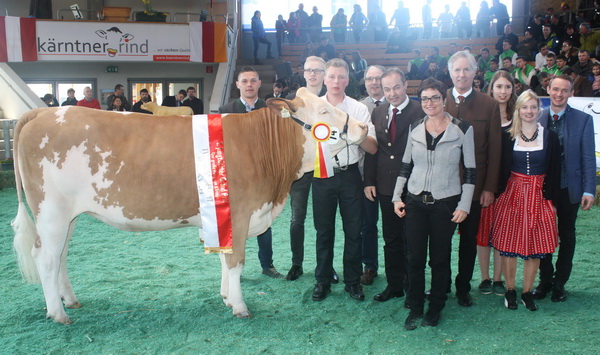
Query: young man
578, 183
144, 97
391, 120
584, 66
544, 79
525, 72
175, 100
88, 100
508, 52
508, 65
487, 76
561, 64
249, 83
483, 113
277, 90
483, 64
194, 102
540, 58
550, 38
550, 67
343, 188
71, 100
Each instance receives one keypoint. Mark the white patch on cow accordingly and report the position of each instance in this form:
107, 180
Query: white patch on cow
45, 141
81, 188
263, 218
87, 127
60, 114
235, 298
124, 112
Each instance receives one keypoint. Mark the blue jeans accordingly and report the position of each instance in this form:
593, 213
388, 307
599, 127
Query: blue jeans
299, 203
265, 249
369, 231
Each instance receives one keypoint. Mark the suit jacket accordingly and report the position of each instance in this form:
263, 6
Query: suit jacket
367, 101
382, 168
236, 106
579, 151
196, 105
483, 113
137, 107
170, 101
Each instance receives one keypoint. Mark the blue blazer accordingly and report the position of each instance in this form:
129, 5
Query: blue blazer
579, 149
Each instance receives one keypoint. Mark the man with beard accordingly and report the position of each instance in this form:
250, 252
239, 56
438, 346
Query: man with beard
144, 97
194, 102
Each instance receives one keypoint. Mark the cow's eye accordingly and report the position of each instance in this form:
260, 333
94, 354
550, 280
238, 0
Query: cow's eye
324, 111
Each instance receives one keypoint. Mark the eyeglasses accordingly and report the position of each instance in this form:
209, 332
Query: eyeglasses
313, 71
373, 78
435, 98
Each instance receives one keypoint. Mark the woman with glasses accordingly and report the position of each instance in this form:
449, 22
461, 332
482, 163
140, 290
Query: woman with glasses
524, 223
439, 147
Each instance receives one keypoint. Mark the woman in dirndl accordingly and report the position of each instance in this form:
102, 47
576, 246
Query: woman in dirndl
524, 224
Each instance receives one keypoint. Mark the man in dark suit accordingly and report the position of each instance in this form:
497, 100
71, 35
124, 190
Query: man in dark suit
175, 100
248, 83
193, 102
575, 131
277, 91
482, 112
144, 97
391, 120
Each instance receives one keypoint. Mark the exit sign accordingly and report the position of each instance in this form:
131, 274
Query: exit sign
112, 69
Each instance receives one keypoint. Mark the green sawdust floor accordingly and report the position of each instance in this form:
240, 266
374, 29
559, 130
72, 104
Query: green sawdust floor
157, 293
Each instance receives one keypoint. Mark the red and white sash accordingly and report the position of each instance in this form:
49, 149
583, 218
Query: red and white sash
211, 177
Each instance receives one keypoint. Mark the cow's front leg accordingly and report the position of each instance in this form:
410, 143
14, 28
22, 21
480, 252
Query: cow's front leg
235, 298
224, 279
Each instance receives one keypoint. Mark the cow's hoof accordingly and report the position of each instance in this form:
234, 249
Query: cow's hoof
61, 319
245, 314
74, 305
227, 302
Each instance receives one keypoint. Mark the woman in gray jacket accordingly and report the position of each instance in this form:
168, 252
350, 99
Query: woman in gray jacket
438, 146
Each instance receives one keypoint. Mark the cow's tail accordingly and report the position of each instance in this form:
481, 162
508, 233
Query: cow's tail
25, 233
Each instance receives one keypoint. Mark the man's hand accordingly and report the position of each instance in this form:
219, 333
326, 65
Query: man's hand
370, 193
459, 216
399, 209
486, 198
586, 202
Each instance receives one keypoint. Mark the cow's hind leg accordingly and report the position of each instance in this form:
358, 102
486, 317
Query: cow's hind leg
47, 254
64, 284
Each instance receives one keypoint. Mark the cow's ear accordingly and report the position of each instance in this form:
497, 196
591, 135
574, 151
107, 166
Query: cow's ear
277, 104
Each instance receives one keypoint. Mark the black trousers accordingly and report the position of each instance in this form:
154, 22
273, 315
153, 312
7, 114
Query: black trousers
394, 249
428, 225
467, 248
299, 203
264, 41
344, 188
566, 213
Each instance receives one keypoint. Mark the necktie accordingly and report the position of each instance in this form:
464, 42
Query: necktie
555, 117
461, 99
377, 103
248, 108
393, 125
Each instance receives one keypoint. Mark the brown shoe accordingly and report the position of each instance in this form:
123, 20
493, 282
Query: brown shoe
367, 277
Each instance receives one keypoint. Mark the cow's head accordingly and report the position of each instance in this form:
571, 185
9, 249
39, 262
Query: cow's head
308, 110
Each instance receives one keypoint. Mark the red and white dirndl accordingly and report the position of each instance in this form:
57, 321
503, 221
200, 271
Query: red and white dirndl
484, 231
525, 223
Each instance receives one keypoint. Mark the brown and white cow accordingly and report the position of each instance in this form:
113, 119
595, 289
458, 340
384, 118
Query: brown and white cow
74, 160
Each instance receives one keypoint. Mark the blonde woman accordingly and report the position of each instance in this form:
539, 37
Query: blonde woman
524, 224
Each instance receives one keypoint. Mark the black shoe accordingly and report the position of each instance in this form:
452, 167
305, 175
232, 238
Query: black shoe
558, 293
412, 321
335, 278
510, 299
528, 302
387, 294
272, 272
294, 273
355, 291
320, 292
431, 319
540, 292
368, 276
269, 56
464, 299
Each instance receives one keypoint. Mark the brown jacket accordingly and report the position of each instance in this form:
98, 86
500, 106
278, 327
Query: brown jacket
483, 113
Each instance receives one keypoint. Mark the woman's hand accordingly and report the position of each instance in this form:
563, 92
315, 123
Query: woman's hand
459, 216
399, 209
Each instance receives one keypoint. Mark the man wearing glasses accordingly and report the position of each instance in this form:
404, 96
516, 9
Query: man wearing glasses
391, 120
314, 73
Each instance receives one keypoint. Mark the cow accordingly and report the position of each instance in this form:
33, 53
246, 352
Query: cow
166, 110
74, 160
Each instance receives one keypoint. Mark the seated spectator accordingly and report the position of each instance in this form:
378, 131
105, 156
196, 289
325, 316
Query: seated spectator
508, 52
451, 51
525, 73
570, 52
413, 65
297, 77
550, 67
507, 36
540, 58
596, 83
572, 35
535, 27
71, 100
50, 100
358, 65
432, 71
550, 39
544, 79
395, 42
589, 39
434, 55
326, 47
558, 26
583, 67
527, 47
508, 65
520, 88
344, 57
483, 64
487, 76
582, 87
561, 64
478, 83
277, 90
116, 105
309, 49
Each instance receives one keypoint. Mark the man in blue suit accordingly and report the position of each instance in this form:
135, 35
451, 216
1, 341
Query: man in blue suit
575, 130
